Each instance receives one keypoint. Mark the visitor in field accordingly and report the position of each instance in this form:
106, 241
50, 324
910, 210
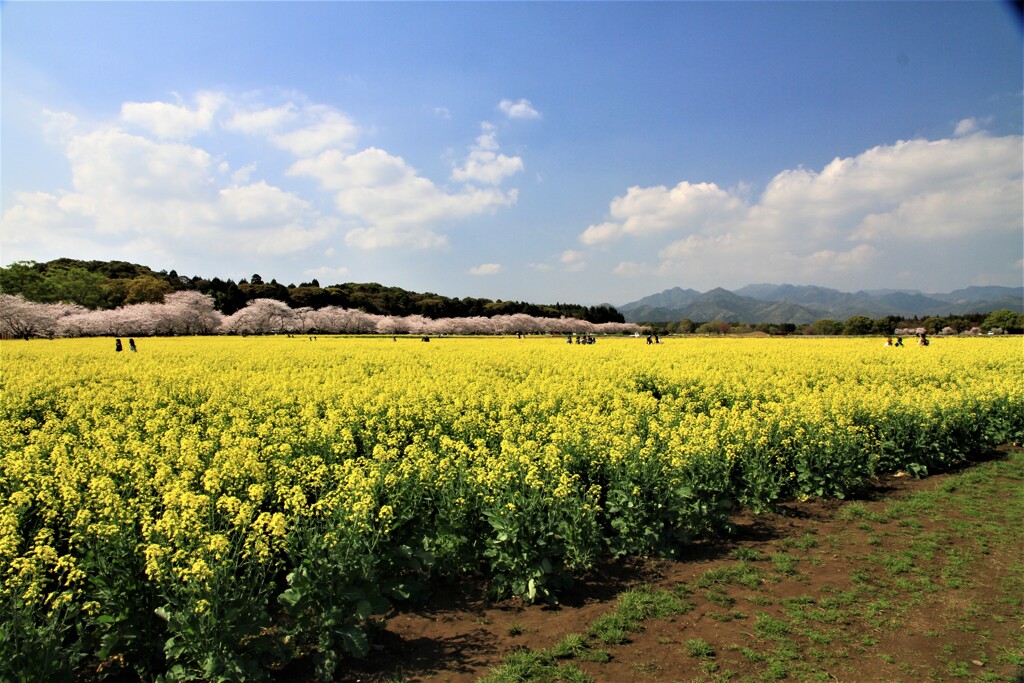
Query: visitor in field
131, 345
899, 341
117, 345
888, 342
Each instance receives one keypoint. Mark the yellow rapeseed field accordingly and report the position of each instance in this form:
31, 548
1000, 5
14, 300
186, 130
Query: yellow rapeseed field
211, 507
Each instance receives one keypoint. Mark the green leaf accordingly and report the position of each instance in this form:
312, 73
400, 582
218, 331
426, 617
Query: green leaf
354, 641
364, 608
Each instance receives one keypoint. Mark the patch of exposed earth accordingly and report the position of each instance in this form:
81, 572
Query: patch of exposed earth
916, 580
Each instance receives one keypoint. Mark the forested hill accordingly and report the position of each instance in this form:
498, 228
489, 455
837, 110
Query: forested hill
110, 284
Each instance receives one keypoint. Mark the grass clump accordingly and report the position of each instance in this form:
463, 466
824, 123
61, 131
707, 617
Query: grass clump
699, 648
537, 667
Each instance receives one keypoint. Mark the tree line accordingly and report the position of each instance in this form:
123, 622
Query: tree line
1003, 320
107, 285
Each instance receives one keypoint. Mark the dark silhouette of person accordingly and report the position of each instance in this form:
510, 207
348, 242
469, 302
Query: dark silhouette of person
117, 345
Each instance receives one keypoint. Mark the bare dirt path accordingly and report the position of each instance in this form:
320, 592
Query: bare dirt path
917, 580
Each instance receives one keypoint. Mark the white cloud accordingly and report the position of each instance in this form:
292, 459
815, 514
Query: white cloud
487, 167
240, 176
395, 205
484, 164
372, 167
139, 182
263, 121
915, 199
486, 269
693, 246
153, 198
304, 129
522, 109
573, 261
174, 121
59, 126
631, 269
966, 127
605, 232
109, 164
651, 210
323, 127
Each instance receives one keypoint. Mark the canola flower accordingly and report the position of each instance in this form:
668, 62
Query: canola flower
158, 502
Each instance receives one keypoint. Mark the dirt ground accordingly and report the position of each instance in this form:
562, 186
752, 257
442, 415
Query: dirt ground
916, 580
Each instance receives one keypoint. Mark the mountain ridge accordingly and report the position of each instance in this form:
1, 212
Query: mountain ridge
804, 304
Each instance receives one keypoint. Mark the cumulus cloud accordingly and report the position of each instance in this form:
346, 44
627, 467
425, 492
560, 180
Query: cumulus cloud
915, 198
174, 121
140, 183
150, 196
651, 210
302, 128
262, 121
393, 202
486, 269
522, 109
484, 164
323, 127
966, 127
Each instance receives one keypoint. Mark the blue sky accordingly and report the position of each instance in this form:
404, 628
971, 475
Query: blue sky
567, 151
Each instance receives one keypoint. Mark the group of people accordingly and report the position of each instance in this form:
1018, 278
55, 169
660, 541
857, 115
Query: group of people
585, 339
653, 339
922, 340
119, 348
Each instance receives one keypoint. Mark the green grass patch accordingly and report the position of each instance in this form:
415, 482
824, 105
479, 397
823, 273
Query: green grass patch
699, 648
536, 667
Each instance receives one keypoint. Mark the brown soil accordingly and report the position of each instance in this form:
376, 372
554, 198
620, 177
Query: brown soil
851, 611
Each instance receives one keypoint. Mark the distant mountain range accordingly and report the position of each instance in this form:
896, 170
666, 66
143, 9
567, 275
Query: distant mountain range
802, 305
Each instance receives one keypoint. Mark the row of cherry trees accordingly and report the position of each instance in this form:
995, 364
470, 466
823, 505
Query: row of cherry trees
192, 313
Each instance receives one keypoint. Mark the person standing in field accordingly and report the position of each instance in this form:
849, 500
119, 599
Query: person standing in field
131, 345
117, 345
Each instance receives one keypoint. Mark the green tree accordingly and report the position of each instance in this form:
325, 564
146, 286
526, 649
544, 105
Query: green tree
147, 288
78, 286
714, 327
858, 325
309, 295
1005, 319
825, 327
25, 278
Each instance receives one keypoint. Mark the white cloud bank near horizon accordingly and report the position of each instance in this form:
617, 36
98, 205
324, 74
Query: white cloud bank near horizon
159, 184
154, 182
890, 207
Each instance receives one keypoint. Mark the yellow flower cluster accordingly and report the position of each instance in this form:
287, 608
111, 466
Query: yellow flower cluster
203, 454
